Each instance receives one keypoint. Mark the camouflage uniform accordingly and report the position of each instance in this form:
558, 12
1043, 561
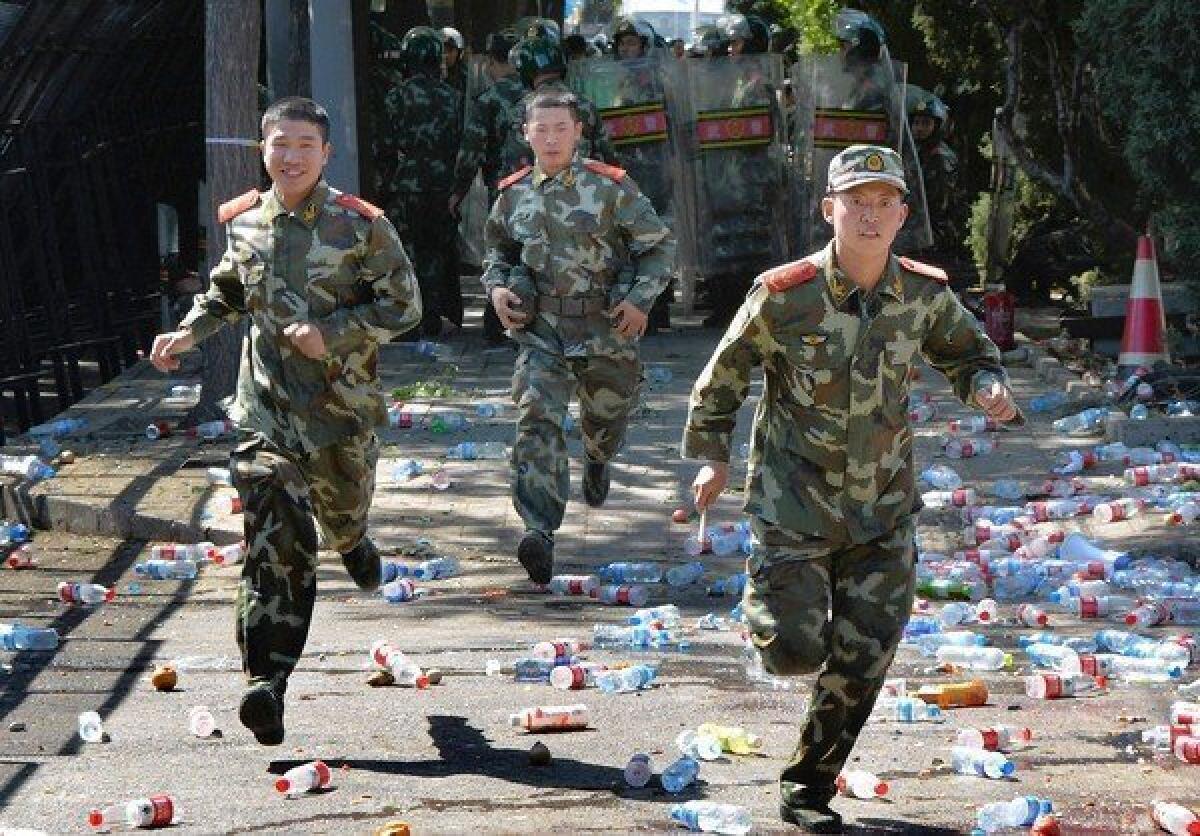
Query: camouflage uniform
559, 242
594, 144
308, 445
830, 489
424, 118
939, 170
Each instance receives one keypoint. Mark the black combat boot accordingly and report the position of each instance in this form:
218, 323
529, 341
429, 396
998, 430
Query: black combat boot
261, 711
595, 483
536, 553
363, 564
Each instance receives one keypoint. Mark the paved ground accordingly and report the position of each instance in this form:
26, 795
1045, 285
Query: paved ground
445, 759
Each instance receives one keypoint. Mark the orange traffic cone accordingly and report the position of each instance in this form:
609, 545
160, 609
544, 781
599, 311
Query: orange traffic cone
1144, 342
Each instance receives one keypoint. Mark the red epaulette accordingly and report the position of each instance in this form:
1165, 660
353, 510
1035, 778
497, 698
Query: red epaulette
927, 270
356, 204
790, 275
513, 178
229, 210
612, 172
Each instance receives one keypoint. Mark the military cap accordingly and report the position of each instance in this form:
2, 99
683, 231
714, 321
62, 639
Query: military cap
865, 164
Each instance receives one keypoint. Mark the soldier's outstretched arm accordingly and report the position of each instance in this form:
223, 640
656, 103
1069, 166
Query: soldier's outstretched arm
723, 385
224, 302
956, 346
650, 242
396, 304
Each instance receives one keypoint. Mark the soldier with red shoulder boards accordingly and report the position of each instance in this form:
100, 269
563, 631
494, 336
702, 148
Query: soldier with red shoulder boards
830, 489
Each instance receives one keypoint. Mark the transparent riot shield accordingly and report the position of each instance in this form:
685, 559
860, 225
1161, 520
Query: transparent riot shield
839, 104
473, 210
631, 97
733, 155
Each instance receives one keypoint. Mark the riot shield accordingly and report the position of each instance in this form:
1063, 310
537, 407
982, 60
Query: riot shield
631, 97
473, 210
733, 153
839, 104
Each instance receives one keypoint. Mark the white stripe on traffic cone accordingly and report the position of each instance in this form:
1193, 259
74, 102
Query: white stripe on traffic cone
1144, 342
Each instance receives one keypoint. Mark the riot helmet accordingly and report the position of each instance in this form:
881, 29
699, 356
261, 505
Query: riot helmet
751, 30
421, 50
534, 56
861, 35
539, 27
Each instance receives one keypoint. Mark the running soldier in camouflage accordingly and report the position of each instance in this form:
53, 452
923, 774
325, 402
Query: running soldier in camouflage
830, 490
557, 240
324, 279
424, 125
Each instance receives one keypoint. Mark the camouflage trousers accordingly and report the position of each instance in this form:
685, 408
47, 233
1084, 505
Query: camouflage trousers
285, 496
607, 386
429, 233
839, 609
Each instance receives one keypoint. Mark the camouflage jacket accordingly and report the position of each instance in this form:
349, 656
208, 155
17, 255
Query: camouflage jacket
569, 236
423, 126
831, 452
337, 262
939, 172
595, 143
487, 140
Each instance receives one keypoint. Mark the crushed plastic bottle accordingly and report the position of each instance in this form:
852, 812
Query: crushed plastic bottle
704, 747
58, 428
966, 448
211, 430
997, 738
201, 722
1053, 686
913, 710
968, 761
91, 727
685, 574
941, 478
1175, 818
624, 680
304, 778
859, 783
711, 817
626, 573
975, 658
573, 585
477, 450
1021, 811
402, 669
1087, 422
27, 467
167, 570
399, 590
551, 718
85, 594
140, 813
406, 470
734, 739
639, 770
16, 636
622, 595
665, 615
679, 775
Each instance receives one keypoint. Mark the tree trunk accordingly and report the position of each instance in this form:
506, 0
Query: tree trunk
232, 32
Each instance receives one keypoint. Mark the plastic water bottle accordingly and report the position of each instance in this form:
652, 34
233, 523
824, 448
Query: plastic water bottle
665, 615
972, 424
685, 574
658, 374
859, 783
573, 584
1053, 686
201, 722
27, 467
558, 648
704, 747
929, 644
448, 422
711, 817
960, 498
85, 594
1030, 615
941, 478
1174, 818
211, 430
997, 738
1139, 412
574, 677
1185, 514
1021, 811
1117, 510
405, 672
167, 570
725, 540
183, 390
91, 727
153, 812
1082, 423
304, 778
1149, 614
968, 761
1112, 664
230, 555
21, 557
966, 448
399, 418
532, 669
58, 428
195, 552
633, 636
986, 611
922, 413
1057, 657
1008, 489
1187, 749
680, 774
974, 658
551, 718
474, 450
622, 595
734, 739
488, 409
1101, 606
1074, 461
914, 710
1047, 402
436, 568
17, 636
399, 591
621, 573
956, 612
639, 770
406, 470
623, 680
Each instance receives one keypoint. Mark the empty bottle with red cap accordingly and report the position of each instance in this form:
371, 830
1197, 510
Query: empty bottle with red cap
573, 584
959, 498
1101, 606
1053, 686
1187, 749
1021, 811
972, 424
551, 718
966, 448
1185, 513
1175, 818
1164, 737
141, 813
1118, 510
85, 594
1185, 712
304, 778
198, 552
970, 761
859, 783
1075, 461
974, 658
1148, 614
626, 595
997, 738
559, 648
211, 430
921, 413
403, 670
1031, 615
575, 676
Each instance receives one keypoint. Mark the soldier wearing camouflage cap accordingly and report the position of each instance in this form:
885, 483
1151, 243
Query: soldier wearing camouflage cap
830, 489
324, 280
558, 238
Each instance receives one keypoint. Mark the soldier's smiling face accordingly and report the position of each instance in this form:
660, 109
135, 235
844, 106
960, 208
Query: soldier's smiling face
866, 217
295, 154
553, 133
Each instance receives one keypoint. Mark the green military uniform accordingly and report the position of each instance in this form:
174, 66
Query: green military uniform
939, 170
830, 489
560, 242
308, 444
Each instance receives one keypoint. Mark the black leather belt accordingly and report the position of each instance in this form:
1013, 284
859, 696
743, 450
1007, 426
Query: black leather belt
571, 305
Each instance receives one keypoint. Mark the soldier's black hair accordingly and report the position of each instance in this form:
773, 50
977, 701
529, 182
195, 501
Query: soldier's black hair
554, 99
296, 109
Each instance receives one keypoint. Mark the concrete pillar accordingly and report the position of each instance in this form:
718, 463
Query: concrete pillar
332, 51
